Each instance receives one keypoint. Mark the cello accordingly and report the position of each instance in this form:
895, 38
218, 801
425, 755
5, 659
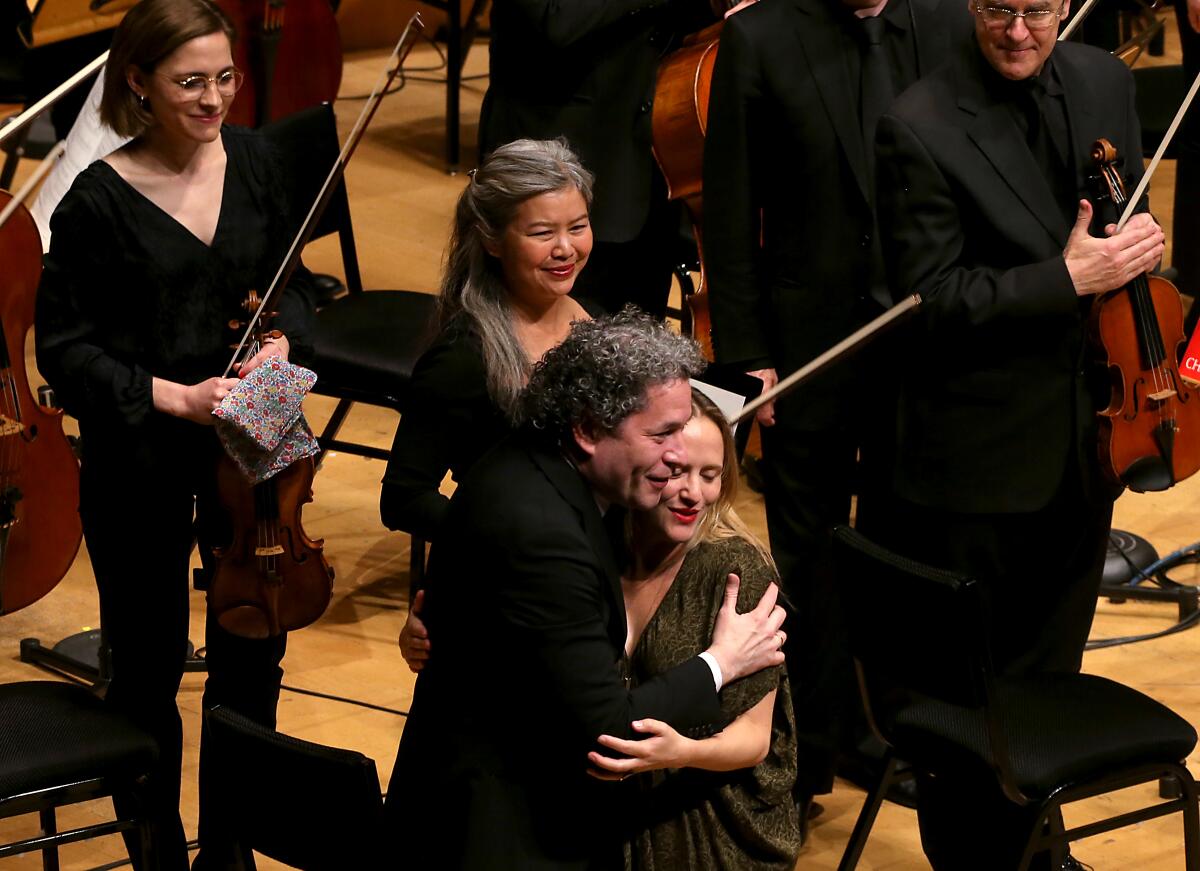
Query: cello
40, 529
291, 54
678, 125
1150, 430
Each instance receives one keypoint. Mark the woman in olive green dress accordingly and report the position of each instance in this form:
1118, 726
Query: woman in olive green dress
723, 802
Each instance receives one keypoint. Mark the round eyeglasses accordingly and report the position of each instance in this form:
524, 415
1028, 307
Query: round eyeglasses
1001, 17
194, 86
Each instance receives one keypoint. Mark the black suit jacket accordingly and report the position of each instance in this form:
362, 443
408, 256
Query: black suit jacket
784, 141
585, 69
528, 624
995, 400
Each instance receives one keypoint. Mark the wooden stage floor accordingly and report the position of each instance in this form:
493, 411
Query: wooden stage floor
401, 199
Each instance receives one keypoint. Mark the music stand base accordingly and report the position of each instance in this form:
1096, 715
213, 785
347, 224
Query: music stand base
1129, 554
78, 656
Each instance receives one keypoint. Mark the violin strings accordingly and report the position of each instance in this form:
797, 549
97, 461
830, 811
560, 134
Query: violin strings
1144, 314
1137, 287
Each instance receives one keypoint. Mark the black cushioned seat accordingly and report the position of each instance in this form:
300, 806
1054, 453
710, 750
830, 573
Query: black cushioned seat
60, 744
52, 732
920, 644
1057, 729
354, 361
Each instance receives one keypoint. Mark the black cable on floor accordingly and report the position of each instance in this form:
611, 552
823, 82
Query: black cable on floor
344, 700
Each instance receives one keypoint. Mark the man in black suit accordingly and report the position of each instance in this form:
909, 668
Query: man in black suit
794, 266
585, 70
982, 167
525, 603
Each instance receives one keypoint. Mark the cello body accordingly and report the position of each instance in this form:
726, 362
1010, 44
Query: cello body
678, 124
291, 53
40, 529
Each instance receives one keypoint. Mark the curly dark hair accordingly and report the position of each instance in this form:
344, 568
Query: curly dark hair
600, 373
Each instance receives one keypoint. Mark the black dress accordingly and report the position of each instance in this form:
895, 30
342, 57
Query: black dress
449, 423
129, 294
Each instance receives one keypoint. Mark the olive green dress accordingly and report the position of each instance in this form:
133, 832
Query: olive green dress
689, 819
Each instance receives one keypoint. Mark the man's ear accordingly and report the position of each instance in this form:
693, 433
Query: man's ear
585, 438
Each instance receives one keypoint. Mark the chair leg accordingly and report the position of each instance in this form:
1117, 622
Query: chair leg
332, 426
866, 817
49, 827
1191, 821
454, 62
1039, 840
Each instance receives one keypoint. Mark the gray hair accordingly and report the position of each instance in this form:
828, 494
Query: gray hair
600, 373
473, 284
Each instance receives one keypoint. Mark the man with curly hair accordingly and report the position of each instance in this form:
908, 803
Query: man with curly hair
524, 599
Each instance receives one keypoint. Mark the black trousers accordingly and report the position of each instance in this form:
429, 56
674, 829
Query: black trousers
1039, 573
811, 471
143, 502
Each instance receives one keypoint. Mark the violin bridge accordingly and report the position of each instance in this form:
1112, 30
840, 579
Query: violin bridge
9, 427
1162, 395
272, 550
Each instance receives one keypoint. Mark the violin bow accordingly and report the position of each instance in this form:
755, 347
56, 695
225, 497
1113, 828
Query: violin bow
1136, 196
1077, 20
859, 337
20, 121
34, 179
396, 62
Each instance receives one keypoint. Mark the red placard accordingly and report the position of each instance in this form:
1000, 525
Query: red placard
1189, 366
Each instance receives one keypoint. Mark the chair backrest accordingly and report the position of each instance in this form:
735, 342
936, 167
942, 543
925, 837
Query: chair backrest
307, 147
304, 804
913, 630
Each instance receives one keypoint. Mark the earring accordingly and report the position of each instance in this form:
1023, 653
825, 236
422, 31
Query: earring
143, 103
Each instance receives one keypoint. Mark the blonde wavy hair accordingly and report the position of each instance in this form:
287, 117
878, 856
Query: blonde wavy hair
721, 520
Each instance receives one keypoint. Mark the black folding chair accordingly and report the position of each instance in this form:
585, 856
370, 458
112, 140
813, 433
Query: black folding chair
924, 669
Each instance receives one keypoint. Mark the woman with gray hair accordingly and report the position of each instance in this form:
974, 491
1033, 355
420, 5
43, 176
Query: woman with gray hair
520, 237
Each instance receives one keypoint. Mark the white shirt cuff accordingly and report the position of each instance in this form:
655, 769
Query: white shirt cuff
718, 679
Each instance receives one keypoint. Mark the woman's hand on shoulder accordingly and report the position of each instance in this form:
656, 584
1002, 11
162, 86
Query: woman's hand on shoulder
277, 347
664, 748
194, 402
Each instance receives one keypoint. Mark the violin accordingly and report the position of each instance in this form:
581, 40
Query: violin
40, 529
271, 577
1150, 431
678, 125
291, 53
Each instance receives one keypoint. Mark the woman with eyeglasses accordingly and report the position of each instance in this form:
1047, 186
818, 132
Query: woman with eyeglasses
153, 251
